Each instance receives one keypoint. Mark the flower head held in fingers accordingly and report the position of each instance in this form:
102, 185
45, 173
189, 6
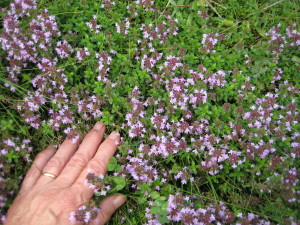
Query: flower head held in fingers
85, 213
97, 183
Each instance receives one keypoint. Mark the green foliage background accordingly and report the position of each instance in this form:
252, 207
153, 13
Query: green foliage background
244, 23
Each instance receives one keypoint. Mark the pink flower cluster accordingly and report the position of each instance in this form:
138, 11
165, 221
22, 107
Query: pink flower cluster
148, 62
11, 150
161, 31
23, 49
97, 183
134, 123
107, 4
93, 25
103, 65
64, 49
181, 209
22, 8
49, 85
43, 29
278, 42
185, 175
249, 59
82, 54
210, 40
123, 26
145, 3
140, 171
85, 214
203, 14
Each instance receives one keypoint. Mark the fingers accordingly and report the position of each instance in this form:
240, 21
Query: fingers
80, 159
37, 166
98, 164
108, 206
56, 164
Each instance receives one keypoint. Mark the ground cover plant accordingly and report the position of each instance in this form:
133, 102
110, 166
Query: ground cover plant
204, 94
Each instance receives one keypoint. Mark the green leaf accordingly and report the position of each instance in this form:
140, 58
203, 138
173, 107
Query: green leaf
118, 168
154, 194
195, 5
159, 211
158, 202
165, 205
141, 200
189, 20
260, 31
10, 156
98, 194
144, 187
296, 59
202, 3
113, 160
227, 23
163, 198
163, 219
120, 182
111, 167
155, 210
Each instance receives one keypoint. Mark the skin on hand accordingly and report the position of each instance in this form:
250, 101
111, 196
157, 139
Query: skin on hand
45, 200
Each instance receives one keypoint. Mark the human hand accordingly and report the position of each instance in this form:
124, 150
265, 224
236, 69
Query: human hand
44, 200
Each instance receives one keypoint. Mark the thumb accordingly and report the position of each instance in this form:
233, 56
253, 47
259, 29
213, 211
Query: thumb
108, 206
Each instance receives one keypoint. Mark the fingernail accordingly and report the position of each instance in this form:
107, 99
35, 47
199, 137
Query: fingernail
114, 135
98, 126
119, 200
52, 146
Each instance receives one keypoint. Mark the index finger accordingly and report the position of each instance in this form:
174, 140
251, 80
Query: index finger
98, 164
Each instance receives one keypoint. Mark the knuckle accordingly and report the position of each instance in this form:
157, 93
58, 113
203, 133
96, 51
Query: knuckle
109, 144
78, 195
68, 141
55, 163
69, 197
40, 156
62, 202
93, 132
51, 148
97, 165
45, 153
105, 217
78, 160
33, 172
